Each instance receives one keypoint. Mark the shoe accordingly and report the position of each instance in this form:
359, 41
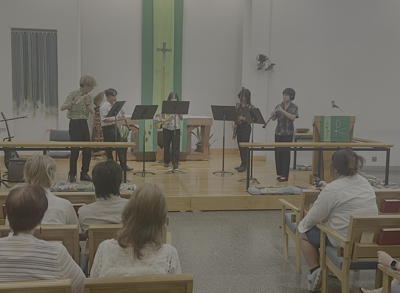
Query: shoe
237, 168
282, 179
242, 169
85, 177
166, 165
314, 280
175, 167
71, 178
127, 169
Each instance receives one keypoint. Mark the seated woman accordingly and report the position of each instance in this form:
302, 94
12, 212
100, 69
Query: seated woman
386, 260
139, 248
23, 257
349, 195
40, 170
107, 178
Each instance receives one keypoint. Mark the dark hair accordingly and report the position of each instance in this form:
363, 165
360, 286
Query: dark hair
107, 178
111, 92
25, 207
346, 162
172, 95
246, 94
289, 92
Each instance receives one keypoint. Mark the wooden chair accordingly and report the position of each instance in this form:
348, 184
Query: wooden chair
291, 216
388, 275
68, 235
100, 232
149, 284
39, 286
357, 251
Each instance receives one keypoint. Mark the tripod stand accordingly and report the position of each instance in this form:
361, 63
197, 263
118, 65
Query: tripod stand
223, 113
144, 112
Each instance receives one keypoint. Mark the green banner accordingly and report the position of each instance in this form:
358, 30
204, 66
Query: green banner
161, 58
335, 128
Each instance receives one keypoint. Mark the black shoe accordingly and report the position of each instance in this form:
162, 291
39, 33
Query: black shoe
237, 168
166, 165
127, 169
242, 169
85, 177
71, 178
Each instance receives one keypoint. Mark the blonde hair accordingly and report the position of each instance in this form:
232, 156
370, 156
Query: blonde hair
87, 81
144, 219
40, 170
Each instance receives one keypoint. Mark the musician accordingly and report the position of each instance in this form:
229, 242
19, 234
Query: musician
79, 105
285, 113
171, 124
242, 127
110, 129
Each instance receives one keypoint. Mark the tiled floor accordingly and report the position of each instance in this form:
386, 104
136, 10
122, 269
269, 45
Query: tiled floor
240, 251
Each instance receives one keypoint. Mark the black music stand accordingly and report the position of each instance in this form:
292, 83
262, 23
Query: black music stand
224, 113
256, 118
144, 112
175, 108
115, 109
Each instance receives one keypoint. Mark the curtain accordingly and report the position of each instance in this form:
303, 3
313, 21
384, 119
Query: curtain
34, 71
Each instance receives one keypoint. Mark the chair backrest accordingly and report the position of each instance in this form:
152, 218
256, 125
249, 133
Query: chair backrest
40, 286
68, 235
310, 196
382, 194
149, 284
97, 234
364, 234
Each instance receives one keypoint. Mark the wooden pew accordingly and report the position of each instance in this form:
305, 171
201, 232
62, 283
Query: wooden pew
388, 275
100, 232
149, 284
291, 216
68, 235
40, 286
355, 252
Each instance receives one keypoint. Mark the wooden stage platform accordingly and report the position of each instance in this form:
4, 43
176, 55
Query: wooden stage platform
199, 189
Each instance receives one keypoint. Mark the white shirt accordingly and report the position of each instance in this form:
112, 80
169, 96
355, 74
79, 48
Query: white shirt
113, 260
26, 258
102, 211
104, 109
59, 211
338, 201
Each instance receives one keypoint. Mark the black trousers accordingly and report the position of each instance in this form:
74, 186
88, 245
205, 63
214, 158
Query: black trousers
111, 133
243, 132
171, 154
282, 156
79, 131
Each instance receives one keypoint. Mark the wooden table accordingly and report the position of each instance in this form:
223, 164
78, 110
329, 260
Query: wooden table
360, 145
61, 145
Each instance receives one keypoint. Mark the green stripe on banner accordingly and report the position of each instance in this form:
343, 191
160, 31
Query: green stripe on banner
161, 58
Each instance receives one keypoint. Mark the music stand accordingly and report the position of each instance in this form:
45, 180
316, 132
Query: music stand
256, 118
144, 112
115, 109
223, 113
175, 108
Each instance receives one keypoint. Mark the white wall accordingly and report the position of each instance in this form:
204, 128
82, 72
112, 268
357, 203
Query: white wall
212, 50
342, 50
111, 46
61, 15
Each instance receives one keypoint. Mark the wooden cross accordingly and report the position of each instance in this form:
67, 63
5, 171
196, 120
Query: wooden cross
164, 51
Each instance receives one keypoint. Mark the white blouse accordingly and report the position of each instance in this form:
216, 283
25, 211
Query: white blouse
338, 201
113, 260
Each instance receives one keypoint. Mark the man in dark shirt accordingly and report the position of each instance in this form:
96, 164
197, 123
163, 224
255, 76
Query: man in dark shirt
285, 114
